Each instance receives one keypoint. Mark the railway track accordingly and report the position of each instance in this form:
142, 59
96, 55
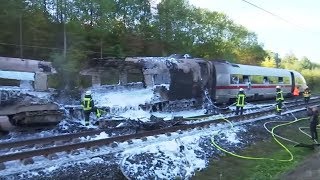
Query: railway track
70, 146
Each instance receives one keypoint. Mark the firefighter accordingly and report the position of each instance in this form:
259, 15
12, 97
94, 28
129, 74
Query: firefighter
296, 93
306, 95
279, 100
240, 101
314, 121
88, 107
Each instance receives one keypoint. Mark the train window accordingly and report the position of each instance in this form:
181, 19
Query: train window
234, 79
265, 80
9, 82
273, 80
299, 80
256, 79
246, 79
240, 79
286, 80
280, 80
110, 76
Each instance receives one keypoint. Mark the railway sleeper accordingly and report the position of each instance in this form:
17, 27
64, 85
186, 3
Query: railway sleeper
114, 145
74, 152
52, 156
27, 161
38, 146
59, 143
76, 140
94, 148
2, 166
130, 141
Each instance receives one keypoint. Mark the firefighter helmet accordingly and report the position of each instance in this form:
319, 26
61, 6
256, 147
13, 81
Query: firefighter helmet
278, 87
88, 92
241, 89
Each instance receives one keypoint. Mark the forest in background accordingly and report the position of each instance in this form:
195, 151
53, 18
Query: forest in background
70, 32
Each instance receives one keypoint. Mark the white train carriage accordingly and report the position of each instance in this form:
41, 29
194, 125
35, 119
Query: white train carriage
258, 82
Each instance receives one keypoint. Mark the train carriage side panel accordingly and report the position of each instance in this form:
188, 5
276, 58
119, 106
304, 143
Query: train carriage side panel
226, 89
264, 80
222, 94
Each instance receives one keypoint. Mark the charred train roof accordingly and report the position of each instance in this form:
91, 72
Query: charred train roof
26, 65
112, 62
100, 64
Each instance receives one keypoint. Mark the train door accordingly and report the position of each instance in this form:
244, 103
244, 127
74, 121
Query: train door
293, 82
214, 82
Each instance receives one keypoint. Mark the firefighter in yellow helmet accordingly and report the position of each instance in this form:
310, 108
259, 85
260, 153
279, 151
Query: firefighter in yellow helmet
306, 95
279, 100
241, 97
88, 107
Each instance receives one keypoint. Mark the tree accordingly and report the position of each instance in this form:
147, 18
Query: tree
269, 60
69, 32
290, 61
305, 63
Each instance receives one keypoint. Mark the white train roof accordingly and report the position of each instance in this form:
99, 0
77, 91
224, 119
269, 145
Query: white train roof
251, 70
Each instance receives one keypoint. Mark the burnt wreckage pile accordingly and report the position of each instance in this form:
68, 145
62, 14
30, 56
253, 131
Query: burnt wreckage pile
19, 78
178, 83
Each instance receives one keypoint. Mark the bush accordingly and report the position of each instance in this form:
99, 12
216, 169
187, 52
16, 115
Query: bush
313, 78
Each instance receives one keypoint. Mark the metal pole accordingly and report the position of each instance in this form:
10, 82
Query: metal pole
101, 48
64, 32
20, 29
64, 41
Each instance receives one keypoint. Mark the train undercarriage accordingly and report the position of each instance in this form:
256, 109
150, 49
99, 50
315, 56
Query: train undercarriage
21, 110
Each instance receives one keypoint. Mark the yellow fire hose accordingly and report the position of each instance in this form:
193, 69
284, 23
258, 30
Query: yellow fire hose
274, 137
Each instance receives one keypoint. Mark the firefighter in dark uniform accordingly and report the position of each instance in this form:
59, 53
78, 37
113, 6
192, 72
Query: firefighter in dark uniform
279, 100
88, 107
314, 121
240, 101
306, 95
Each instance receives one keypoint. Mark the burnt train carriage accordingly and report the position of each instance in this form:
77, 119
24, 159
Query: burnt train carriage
185, 78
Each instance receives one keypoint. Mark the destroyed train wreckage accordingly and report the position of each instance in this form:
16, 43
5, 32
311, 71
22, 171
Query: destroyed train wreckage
191, 82
179, 83
18, 106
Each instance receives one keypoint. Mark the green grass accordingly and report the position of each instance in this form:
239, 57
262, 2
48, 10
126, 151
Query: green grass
230, 167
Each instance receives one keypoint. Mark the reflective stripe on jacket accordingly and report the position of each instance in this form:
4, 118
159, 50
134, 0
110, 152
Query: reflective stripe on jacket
279, 96
86, 104
278, 108
240, 100
306, 93
98, 113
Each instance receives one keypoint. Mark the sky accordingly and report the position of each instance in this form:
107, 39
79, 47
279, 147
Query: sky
298, 33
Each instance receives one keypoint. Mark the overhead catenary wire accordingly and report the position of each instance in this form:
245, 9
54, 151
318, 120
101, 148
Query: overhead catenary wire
50, 48
273, 14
